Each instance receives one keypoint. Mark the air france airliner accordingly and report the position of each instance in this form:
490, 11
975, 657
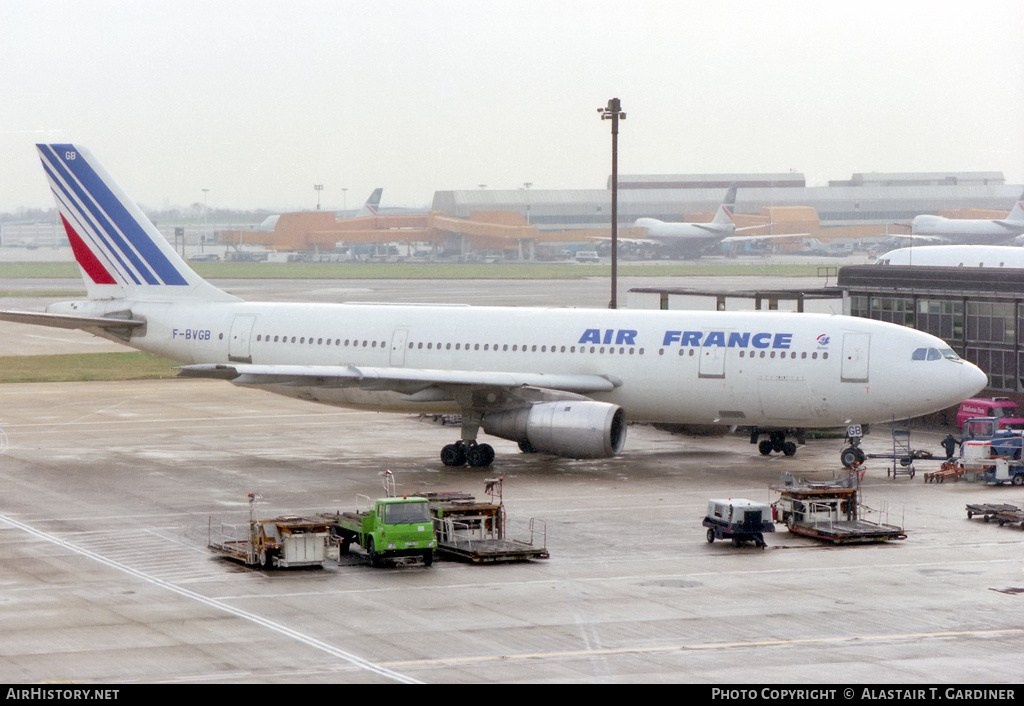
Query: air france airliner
560, 381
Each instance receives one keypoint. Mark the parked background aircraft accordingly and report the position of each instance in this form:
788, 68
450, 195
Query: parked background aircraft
956, 256
690, 240
1002, 231
367, 209
559, 381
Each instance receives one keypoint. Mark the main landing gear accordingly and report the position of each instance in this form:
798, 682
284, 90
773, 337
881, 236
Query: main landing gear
466, 450
776, 442
463, 452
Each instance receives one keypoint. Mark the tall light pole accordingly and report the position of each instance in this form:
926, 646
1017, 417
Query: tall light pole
318, 188
613, 112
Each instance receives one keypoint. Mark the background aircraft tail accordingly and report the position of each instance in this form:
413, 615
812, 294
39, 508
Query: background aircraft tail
724, 214
120, 252
372, 204
1017, 212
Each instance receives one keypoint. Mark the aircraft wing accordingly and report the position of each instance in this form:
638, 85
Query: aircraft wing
933, 239
120, 327
423, 383
620, 239
716, 229
752, 238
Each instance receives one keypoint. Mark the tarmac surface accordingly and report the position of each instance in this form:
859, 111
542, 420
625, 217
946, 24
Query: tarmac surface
107, 491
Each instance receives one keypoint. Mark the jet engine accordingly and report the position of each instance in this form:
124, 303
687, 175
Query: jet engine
574, 429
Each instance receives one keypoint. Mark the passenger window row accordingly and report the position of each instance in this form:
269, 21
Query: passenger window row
781, 355
515, 348
349, 343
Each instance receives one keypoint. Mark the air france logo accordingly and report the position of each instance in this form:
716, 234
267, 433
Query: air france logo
823, 340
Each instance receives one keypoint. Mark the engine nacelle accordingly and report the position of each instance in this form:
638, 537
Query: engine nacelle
575, 429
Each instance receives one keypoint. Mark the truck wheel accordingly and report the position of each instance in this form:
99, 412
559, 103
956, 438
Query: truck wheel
428, 557
371, 550
1018, 479
711, 535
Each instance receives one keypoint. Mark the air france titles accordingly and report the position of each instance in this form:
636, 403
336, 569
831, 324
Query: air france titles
722, 339
728, 339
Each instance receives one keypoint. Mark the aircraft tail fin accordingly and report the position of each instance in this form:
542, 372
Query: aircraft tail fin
120, 252
724, 213
1017, 212
372, 204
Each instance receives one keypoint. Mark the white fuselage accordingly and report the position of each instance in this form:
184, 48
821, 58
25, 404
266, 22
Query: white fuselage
685, 237
1010, 256
959, 230
731, 368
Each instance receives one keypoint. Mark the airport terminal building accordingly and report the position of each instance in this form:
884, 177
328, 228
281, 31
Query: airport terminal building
978, 311
864, 199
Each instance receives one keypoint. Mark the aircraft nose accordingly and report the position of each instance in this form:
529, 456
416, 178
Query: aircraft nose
972, 380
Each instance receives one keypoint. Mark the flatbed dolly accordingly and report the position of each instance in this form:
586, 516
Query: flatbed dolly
1003, 513
476, 530
831, 512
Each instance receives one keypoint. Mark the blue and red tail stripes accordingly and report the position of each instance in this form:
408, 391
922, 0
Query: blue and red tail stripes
112, 244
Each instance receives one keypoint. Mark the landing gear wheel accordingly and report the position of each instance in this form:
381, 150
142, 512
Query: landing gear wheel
851, 456
480, 455
765, 447
789, 448
453, 454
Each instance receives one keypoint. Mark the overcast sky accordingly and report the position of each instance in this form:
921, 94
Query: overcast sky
257, 101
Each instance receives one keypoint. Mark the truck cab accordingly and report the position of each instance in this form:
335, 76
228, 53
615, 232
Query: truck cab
1004, 410
390, 528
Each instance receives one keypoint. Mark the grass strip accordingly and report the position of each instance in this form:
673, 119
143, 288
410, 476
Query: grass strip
83, 367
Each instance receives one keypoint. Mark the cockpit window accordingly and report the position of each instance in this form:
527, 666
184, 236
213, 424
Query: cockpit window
934, 354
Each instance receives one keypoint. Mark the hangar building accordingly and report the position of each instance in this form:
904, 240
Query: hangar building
875, 198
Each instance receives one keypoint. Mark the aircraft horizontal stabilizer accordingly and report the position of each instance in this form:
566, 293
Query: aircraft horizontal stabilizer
405, 380
120, 327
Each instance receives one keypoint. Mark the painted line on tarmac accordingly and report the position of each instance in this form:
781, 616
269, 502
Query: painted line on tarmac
699, 648
355, 660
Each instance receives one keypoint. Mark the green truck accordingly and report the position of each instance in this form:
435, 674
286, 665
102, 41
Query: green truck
391, 528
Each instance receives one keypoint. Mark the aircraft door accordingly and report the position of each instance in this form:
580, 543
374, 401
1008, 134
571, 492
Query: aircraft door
238, 342
398, 344
712, 362
855, 357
